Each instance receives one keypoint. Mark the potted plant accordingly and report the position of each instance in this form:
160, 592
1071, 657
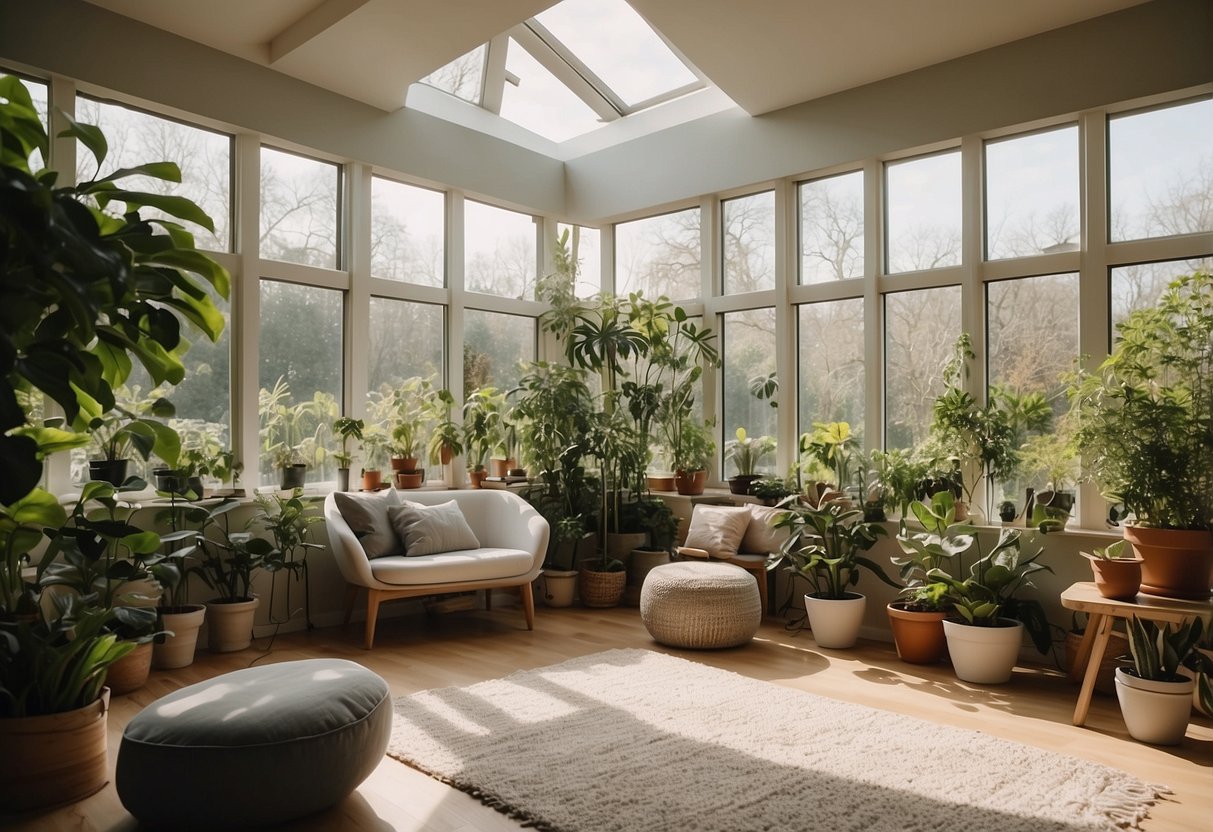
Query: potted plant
409, 414
179, 620
747, 453
80, 287
446, 441
652, 516
1143, 423
824, 546
982, 641
691, 451
1155, 699
118, 433
894, 476
830, 446
1117, 570
481, 429
347, 428
771, 490
916, 618
374, 441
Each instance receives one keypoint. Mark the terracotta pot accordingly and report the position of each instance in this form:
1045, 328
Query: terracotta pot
1176, 563
410, 479
446, 454
230, 624
404, 463
690, 483
501, 467
601, 589
918, 636
130, 672
371, 480
477, 477
660, 483
1116, 577
53, 759
178, 649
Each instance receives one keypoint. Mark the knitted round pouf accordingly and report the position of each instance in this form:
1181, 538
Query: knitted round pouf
700, 605
254, 747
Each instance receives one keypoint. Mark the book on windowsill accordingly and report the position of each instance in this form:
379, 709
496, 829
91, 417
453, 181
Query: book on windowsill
504, 483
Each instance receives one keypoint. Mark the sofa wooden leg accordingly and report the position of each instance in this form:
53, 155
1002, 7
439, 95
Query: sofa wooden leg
372, 615
488, 599
351, 595
528, 604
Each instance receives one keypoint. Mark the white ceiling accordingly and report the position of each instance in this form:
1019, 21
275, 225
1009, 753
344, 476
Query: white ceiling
764, 54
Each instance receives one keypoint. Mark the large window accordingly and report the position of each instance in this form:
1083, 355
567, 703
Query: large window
540, 102
749, 243
407, 233
830, 366
1160, 171
748, 339
407, 339
831, 228
300, 376
921, 328
136, 137
499, 251
1032, 333
300, 209
585, 247
923, 210
493, 347
659, 255
1138, 286
1032, 194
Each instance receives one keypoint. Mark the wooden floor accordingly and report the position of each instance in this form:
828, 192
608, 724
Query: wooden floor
459, 648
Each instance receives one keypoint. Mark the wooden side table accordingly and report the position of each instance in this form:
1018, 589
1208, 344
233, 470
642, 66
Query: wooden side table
1101, 613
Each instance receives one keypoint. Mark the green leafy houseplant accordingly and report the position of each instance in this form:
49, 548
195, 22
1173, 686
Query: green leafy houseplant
748, 452
347, 429
446, 440
87, 288
824, 546
832, 446
926, 553
482, 411
771, 490
229, 560
1157, 652
1144, 415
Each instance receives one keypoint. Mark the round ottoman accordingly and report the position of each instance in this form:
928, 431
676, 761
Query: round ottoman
254, 747
700, 605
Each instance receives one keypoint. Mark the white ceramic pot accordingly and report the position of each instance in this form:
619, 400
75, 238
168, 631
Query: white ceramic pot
984, 655
835, 621
230, 624
178, 649
558, 587
1154, 712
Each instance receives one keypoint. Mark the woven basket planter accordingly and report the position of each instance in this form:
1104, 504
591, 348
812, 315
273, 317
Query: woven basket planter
601, 589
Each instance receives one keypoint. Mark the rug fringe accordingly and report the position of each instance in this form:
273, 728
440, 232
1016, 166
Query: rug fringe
1128, 804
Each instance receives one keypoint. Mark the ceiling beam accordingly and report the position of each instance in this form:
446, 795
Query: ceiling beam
318, 20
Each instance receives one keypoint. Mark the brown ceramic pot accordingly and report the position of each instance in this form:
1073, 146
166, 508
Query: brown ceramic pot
1176, 563
690, 483
918, 635
1116, 577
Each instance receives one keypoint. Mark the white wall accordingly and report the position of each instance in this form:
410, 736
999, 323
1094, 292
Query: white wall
1144, 50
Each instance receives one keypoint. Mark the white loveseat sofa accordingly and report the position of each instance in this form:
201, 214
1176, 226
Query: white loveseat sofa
513, 539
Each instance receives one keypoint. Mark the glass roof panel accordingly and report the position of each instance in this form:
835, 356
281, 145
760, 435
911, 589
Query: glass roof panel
462, 77
618, 46
541, 103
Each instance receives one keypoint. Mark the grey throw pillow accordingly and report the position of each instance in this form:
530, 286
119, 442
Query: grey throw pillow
431, 530
367, 517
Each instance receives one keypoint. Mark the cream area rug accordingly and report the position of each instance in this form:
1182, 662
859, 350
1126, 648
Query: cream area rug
631, 740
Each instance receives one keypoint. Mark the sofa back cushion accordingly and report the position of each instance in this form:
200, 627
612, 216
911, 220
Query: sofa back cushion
717, 529
367, 517
760, 537
432, 529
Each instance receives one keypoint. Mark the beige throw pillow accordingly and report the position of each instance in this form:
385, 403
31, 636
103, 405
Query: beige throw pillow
760, 538
718, 529
366, 515
431, 530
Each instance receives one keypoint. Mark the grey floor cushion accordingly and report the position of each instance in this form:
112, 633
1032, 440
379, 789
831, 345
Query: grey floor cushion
256, 746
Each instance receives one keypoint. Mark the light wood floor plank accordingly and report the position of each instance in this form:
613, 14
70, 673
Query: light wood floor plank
461, 648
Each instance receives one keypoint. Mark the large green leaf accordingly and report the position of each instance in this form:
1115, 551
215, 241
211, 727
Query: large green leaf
177, 206
165, 171
89, 135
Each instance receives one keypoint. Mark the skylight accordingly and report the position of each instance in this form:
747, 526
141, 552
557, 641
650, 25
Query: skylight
618, 46
570, 69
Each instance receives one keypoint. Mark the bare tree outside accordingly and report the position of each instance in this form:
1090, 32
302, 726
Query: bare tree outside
462, 77
407, 233
923, 213
1031, 194
494, 346
748, 225
831, 228
748, 353
920, 330
500, 251
830, 363
659, 255
299, 197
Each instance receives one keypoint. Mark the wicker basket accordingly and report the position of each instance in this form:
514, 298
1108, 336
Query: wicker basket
1118, 645
601, 589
